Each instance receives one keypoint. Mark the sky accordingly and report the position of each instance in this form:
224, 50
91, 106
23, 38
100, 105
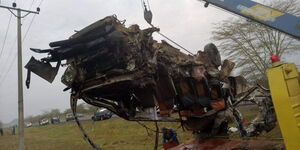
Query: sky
185, 21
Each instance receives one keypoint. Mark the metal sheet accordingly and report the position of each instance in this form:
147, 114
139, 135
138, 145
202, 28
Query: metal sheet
44, 70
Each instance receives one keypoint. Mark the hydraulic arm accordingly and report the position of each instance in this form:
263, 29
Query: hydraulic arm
268, 16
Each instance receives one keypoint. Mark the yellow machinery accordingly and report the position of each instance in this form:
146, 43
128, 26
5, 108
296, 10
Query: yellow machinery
283, 78
285, 91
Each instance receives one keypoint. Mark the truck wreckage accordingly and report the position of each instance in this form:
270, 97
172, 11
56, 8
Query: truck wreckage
139, 79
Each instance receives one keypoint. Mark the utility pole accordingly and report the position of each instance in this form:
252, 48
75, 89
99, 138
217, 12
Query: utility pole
20, 67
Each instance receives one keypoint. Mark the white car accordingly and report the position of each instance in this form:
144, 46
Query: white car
44, 122
28, 124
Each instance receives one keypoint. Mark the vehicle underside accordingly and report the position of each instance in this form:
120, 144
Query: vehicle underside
139, 79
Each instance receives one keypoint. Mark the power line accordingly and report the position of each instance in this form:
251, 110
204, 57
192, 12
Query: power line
10, 67
15, 56
13, 44
20, 69
41, 3
25, 35
9, 55
5, 37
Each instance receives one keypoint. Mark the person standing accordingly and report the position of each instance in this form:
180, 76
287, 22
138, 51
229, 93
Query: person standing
1, 131
13, 131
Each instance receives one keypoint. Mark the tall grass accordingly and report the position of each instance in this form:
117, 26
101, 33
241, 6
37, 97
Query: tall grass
113, 134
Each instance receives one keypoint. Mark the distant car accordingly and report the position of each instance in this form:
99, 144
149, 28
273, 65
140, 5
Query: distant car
28, 124
44, 122
70, 116
102, 114
79, 115
55, 120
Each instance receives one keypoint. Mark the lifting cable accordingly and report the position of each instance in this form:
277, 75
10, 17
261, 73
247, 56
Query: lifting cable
148, 17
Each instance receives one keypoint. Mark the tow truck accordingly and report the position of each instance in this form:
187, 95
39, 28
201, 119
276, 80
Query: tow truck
283, 78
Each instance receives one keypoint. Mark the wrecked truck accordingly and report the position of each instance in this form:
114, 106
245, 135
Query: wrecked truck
126, 71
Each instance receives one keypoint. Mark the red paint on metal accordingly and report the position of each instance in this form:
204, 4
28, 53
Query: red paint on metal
228, 144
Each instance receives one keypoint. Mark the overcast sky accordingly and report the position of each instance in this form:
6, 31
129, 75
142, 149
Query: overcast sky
184, 21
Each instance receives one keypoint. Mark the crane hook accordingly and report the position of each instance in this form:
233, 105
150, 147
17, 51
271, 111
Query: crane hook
147, 13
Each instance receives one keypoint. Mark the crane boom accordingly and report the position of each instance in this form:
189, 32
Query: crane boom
257, 12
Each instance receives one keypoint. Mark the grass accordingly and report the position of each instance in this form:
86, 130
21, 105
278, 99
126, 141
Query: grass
112, 134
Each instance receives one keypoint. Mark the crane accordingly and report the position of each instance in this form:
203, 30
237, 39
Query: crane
275, 19
282, 77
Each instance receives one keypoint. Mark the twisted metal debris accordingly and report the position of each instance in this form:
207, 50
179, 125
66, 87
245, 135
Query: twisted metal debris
139, 79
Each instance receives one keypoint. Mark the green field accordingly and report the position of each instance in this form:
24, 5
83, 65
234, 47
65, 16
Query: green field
112, 134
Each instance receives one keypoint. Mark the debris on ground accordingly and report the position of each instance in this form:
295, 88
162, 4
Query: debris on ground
230, 144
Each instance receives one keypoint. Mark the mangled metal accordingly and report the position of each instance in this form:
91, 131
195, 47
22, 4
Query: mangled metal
124, 70
42, 69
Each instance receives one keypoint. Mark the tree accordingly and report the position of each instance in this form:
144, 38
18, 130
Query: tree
45, 114
250, 44
55, 112
92, 109
31, 119
81, 108
67, 111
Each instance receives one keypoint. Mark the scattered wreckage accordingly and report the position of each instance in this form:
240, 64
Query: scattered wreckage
139, 79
